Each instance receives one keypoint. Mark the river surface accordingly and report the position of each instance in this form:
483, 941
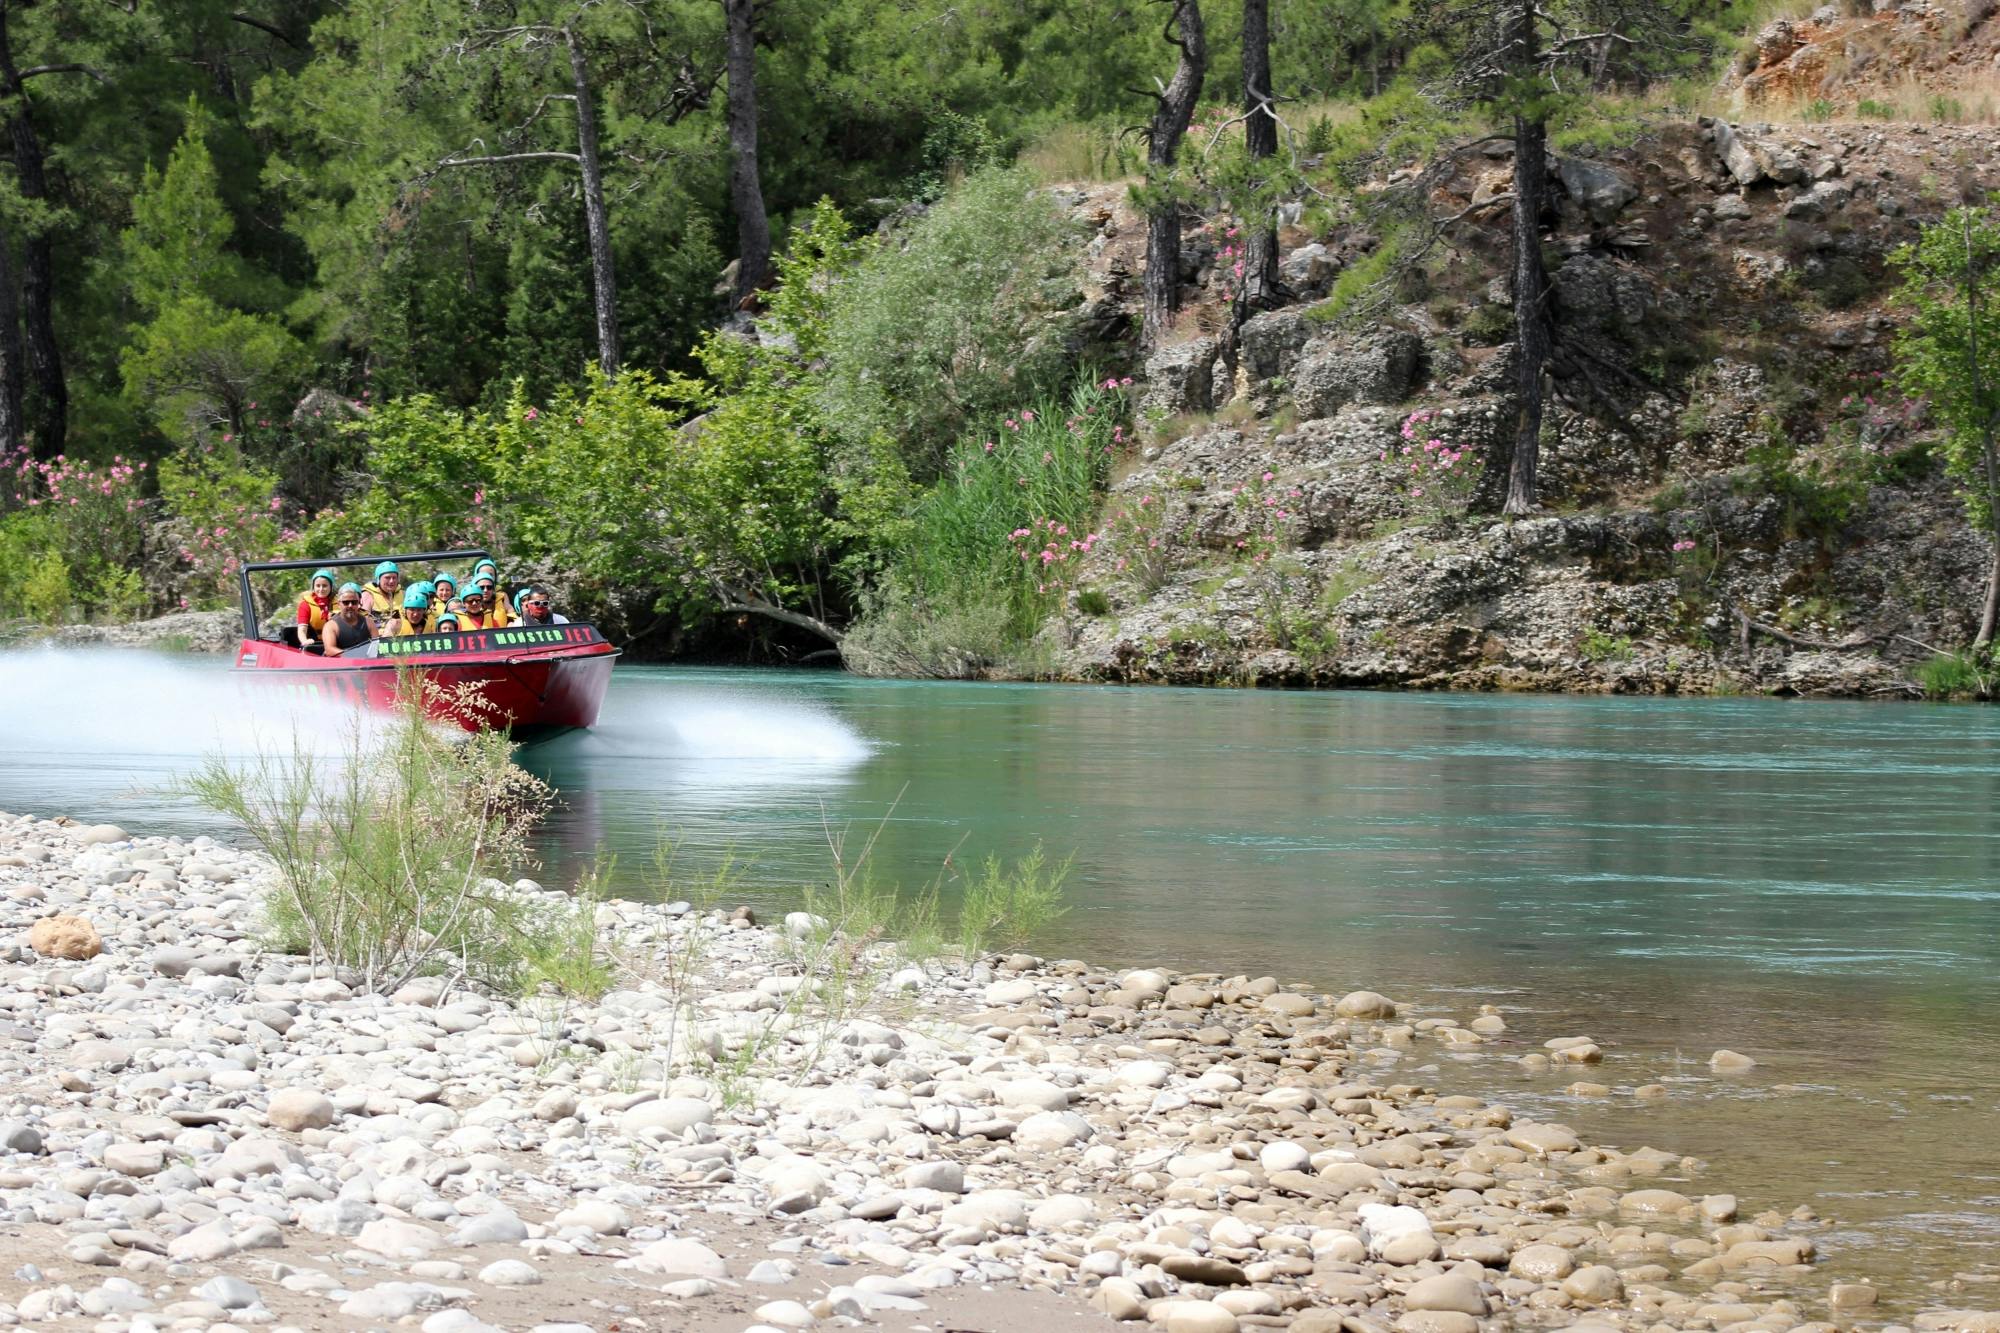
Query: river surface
1816, 885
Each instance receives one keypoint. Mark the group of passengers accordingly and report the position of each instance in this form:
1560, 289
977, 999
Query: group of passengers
348, 616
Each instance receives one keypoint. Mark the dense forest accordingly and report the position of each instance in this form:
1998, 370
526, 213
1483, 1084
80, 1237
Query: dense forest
231, 234
781, 324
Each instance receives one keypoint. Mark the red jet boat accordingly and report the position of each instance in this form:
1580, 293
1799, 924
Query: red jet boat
528, 679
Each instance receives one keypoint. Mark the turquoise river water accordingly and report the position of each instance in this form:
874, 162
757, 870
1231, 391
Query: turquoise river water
1814, 884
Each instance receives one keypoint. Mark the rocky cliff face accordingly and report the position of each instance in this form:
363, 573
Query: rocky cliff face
1734, 500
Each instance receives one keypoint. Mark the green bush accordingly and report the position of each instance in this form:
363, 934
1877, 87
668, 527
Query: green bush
46, 593
219, 511
997, 543
952, 322
1956, 676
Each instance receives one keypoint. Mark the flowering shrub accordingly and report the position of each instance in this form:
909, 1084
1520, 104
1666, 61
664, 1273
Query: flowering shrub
999, 541
1273, 518
80, 529
1053, 554
218, 512
1145, 549
1437, 475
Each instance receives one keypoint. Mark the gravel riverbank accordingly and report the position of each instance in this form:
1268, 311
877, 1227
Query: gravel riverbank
194, 1132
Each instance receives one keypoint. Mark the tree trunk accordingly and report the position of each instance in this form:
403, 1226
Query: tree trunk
1531, 322
1991, 611
37, 262
11, 427
1260, 137
1173, 111
746, 190
604, 282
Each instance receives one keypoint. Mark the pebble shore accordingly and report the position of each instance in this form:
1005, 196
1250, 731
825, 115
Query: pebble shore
198, 1134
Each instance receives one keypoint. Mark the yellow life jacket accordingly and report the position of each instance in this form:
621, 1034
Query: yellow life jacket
404, 627
501, 615
377, 602
316, 613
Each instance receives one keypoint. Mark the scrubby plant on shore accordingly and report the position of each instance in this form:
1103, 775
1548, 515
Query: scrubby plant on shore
390, 856
1967, 675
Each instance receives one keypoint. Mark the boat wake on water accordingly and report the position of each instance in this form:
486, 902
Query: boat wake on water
672, 722
80, 702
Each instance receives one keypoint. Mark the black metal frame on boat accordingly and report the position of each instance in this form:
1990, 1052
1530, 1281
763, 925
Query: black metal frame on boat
250, 596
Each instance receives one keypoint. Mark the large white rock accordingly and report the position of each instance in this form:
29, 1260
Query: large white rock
1046, 1130
668, 1117
395, 1239
1383, 1224
678, 1257
294, 1109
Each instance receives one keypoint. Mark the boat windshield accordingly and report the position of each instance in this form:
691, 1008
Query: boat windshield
271, 590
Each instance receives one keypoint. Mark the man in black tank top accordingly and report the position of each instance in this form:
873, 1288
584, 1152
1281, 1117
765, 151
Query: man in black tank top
347, 627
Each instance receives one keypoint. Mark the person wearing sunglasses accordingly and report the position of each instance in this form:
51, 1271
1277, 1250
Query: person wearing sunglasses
349, 625
536, 608
315, 605
496, 614
476, 613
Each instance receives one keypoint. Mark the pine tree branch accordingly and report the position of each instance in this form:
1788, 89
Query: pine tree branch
252, 21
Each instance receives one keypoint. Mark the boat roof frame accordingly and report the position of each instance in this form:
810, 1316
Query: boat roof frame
338, 562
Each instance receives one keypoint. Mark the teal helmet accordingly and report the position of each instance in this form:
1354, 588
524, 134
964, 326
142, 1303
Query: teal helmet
387, 567
319, 574
487, 563
520, 597
417, 598
448, 620
442, 578
490, 580
424, 586
347, 588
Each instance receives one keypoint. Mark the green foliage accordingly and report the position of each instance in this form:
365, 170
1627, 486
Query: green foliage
997, 543
219, 510
1948, 349
196, 364
954, 146
1598, 646
711, 491
46, 595
1958, 676
951, 322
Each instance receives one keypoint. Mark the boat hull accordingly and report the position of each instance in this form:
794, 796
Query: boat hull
526, 681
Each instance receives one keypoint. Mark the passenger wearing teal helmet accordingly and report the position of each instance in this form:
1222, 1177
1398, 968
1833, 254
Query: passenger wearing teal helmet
499, 611
446, 589
349, 626
416, 616
315, 605
382, 599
